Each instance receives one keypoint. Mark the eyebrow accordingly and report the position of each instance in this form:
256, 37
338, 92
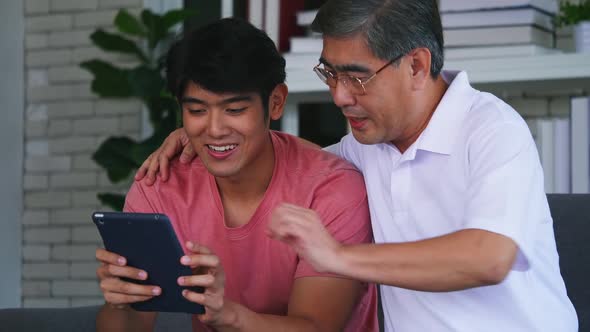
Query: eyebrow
347, 67
235, 99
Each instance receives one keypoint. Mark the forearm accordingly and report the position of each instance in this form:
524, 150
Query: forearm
111, 319
461, 260
242, 319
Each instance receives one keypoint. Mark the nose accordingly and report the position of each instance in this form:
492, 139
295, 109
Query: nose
341, 95
217, 126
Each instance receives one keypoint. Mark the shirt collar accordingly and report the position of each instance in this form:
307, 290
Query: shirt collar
444, 125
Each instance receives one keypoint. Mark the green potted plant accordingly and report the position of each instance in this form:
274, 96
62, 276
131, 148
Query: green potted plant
147, 39
578, 16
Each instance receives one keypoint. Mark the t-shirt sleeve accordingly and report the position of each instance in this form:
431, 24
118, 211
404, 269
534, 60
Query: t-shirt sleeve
141, 198
341, 203
505, 193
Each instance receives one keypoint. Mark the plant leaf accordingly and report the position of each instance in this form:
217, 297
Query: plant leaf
109, 81
572, 14
155, 28
174, 17
115, 156
145, 82
163, 113
129, 24
114, 201
115, 43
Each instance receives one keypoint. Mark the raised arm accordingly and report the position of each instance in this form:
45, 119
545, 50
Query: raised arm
464, 259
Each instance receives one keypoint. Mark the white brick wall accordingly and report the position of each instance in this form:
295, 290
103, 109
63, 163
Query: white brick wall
36, 40
37, 271
36, 128
68, 74
35, 217
46, 302
70, 109
75, 288
65, 123
33, 182
36, 6
70, 216
73, 5
73, 252
101, 18
48, 57
119, 3
36, 253
36, 288
48, 23
83, 270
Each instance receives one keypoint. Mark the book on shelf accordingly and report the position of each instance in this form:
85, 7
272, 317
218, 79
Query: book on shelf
501, 51
498, 17
306, 45
580, 138
256, 14
498, 36
553, 143
288, 22
561, 156
304, 18
276, 19
544, 140
549, 6
553, 140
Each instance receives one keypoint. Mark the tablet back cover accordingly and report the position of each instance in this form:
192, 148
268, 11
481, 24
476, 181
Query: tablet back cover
149, 243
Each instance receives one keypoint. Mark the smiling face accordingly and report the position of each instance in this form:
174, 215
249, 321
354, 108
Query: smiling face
381, 115
229, 130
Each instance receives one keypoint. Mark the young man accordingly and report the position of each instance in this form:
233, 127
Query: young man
464, 236
229, 80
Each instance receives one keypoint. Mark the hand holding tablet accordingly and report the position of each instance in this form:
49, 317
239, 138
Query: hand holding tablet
141, 263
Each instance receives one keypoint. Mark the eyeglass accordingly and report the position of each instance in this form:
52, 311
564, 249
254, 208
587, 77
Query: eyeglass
356, 86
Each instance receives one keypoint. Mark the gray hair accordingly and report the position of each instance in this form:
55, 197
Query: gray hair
390, 27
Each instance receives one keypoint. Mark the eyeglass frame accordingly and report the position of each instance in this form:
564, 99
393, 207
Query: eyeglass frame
361, 82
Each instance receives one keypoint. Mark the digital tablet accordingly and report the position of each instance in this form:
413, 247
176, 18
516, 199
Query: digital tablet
148, 242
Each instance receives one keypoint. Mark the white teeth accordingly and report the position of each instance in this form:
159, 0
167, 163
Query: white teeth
221, 148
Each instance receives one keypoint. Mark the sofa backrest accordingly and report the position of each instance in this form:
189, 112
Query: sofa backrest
571, 223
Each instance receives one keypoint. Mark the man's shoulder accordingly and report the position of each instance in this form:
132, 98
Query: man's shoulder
489, 112
303, 156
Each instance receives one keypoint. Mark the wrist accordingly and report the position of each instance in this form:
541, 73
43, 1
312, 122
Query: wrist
229, 317
339, 261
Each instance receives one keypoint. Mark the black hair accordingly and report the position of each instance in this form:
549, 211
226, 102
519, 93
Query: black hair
228, 55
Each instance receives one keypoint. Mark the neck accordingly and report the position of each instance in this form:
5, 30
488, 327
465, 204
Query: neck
252, 182
427, 103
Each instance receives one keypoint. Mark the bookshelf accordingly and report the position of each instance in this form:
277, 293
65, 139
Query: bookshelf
541, 74
565, 71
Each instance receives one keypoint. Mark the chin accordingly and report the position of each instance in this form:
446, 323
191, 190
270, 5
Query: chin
221, 172
364, 138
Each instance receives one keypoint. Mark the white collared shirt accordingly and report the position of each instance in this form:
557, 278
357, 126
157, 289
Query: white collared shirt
475, 166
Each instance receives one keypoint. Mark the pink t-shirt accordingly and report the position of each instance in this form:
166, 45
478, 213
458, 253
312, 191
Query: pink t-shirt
260, 271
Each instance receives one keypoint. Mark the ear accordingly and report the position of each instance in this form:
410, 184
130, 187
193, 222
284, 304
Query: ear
277, 100
420, 63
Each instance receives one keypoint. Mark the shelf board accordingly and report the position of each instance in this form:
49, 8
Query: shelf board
567, 71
